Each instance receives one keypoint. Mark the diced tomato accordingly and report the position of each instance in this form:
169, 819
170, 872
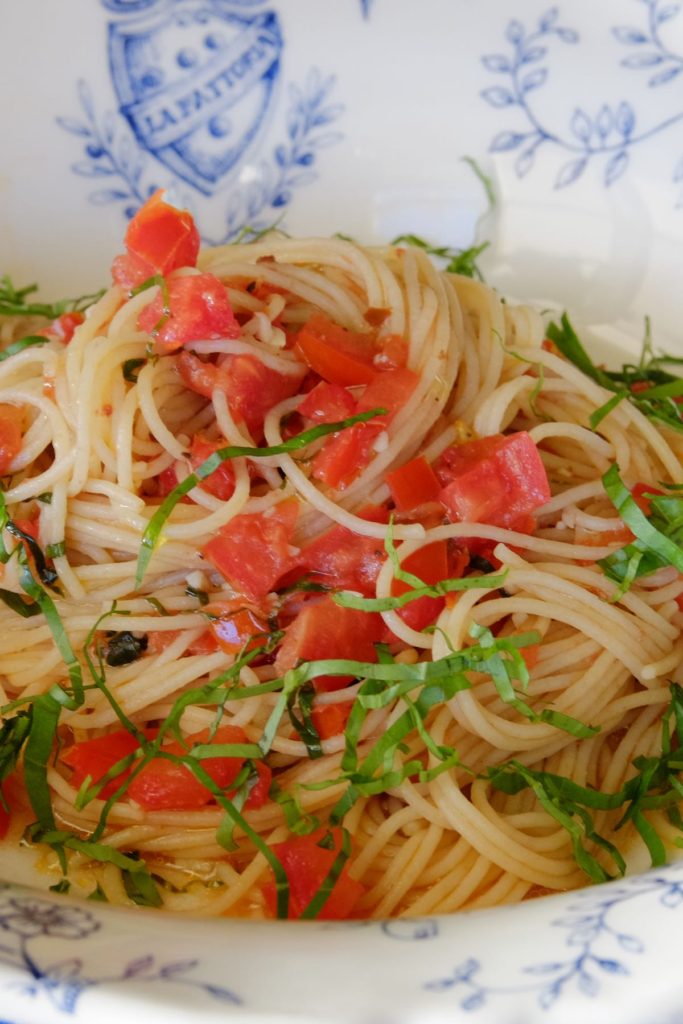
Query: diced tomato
159, 239
345, 455
530, 655
346, 560
324, 630
199, 309
639, 492
221, 483
413, 484
236, 627
254, 551
327, 403
330, 719
430, 564
499, 480
163, 785
389, 390
11, 420
252, 389
5, 814
392, 352
166, 481
159, 640
95, 757
338, 355
30, 526
62, 329
306, 865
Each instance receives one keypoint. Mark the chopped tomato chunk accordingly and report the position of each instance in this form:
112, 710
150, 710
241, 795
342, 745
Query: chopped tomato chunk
430, 564
11, 420
221, 483
413, 484
165, 785
236, 626
307, 864
199, 308
344, 559
159, 239
254, 551
346, 454
499, 480
338, 355
641, 494
325, 630
95, 757
327, 403
389, 390
62, 329
252, 389
330, 719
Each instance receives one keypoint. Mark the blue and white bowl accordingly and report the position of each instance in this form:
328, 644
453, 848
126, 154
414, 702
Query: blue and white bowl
374, 118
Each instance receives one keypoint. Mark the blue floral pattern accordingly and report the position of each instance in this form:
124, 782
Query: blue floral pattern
605, 135
24, 919
596, 948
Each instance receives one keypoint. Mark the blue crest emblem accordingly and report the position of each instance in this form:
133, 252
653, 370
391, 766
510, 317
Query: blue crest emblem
194, 81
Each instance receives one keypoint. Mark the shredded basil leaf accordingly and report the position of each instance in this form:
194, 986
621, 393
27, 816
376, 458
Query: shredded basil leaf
15, 302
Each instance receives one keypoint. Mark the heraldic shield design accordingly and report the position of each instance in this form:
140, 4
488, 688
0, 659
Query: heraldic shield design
194, 81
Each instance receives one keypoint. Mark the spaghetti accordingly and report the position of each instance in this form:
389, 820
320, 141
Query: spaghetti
322, 596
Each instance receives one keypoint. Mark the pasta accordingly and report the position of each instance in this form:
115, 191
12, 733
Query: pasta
250, 613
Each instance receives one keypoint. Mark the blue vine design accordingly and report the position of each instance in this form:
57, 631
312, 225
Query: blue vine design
596, 948
111, 156
612, 131
25, 919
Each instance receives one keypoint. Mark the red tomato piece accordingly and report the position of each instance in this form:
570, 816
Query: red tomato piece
498, 480
252, 389
11, 420
430, 564
338, 355
345, 560
413, 484
306, 865
389, 390
324, 630
163, 785
160, 238
392, 352
5, 813
199, 309
236, 626
345, 455
254, 551
330, 719
221, 483
327, 403
62, 329
95, 757
639, 492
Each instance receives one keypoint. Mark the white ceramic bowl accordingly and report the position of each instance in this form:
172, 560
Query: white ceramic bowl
356, 117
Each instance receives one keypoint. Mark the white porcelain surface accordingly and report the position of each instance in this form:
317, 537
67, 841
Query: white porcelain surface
355, 115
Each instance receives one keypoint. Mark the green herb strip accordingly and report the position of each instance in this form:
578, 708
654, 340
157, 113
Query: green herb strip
152, 534
14, 301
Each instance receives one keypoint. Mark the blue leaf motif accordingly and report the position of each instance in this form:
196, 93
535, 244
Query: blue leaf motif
224, 994
534, 54
74, 127
588, 985
629, 36
678, 171
514, 32
177, 967
548, 996
642, 60
548, 19
625, 119
581, 125
616, 166
497, 62
630, 943
672, 898
533, 80
604, 121
505, 141
568, 35
498, 97
473, 1002
581, 936
139, 966
662, 77
665, 13
525, 161
544, 968
569, 174
612, 967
